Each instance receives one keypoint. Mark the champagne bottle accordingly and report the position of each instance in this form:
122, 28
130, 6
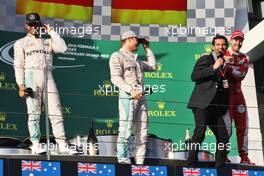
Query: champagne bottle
92, 142
187, 139
171, 150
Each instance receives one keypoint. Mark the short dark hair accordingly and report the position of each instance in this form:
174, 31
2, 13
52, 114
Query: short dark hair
218, 36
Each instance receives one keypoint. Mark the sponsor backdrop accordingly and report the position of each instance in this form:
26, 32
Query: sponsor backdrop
83, 81
193, 21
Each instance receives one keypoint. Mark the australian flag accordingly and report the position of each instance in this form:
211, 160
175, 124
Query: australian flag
93, 169
247, 173
40, 168
141, 170
1, 167
199, 172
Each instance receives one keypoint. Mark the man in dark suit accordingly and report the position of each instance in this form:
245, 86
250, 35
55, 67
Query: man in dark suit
209, 101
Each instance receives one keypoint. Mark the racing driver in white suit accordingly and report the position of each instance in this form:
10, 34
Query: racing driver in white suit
33, 64
127, 74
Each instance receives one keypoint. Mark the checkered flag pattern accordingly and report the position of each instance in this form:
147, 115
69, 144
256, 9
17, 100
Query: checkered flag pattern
204, 19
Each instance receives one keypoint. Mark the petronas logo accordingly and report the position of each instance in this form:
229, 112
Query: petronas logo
109, 123
2, 76
159, 66
208, 48
2, 116
161, 104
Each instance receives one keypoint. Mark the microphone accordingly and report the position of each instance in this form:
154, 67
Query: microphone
147, 91
28, 93
220, 54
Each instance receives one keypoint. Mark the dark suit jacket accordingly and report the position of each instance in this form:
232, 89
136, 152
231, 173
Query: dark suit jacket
207, 82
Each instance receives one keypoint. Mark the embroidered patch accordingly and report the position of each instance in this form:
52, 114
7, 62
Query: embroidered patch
241, 108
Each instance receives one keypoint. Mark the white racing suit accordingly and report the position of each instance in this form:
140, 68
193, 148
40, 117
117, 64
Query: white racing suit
32, 57
127, 72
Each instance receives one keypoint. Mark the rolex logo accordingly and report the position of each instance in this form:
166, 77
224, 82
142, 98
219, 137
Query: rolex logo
208, 48
109, 123
2, 116
107, 83
161, 104
197, 56
159, 66
2, 76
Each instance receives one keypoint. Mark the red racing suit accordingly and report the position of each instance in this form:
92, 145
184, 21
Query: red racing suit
236, 71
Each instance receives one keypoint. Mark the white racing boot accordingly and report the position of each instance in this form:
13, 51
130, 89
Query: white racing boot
36, 148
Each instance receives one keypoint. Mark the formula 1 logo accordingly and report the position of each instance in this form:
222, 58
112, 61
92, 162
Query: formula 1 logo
7, 58
5, 53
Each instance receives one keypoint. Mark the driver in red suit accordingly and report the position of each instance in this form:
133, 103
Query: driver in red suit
237, 67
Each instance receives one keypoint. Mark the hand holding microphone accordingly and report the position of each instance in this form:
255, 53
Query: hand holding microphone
220, 60
25, 92
218, 63
220, 54
135, 94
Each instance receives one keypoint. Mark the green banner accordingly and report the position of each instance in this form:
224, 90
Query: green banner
86, 93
